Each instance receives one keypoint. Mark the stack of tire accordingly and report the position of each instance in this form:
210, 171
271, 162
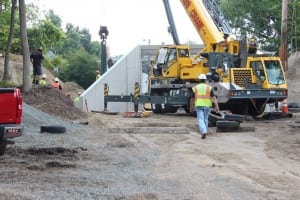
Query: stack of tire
225, 121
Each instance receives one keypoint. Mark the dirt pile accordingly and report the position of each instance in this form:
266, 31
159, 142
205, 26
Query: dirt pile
293, 79
54, 102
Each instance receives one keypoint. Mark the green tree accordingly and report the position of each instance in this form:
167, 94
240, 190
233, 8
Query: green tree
81, 68
55, 19
5, 14
85, 39
72, 41
95, 48
47, 35
262, 20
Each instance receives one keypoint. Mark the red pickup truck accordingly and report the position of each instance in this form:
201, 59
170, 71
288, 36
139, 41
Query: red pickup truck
10, 116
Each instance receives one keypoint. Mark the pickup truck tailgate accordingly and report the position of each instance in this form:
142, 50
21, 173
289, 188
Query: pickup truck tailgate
10, 106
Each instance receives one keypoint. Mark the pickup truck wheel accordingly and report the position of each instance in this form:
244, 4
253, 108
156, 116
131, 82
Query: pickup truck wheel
2, 147
53, 129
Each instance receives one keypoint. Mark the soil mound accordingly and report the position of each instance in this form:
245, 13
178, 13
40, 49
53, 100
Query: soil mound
293, 79
54, 102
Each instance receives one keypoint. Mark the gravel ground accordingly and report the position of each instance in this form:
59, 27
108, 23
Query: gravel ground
89, 162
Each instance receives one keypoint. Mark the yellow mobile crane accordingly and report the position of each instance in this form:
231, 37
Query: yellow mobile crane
243, 80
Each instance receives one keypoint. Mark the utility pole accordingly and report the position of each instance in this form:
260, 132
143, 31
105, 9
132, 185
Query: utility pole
283, 51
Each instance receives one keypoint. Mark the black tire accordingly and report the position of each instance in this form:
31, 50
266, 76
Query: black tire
293, 105
53, 129
2, 147
213, 117
228, 124
234, 117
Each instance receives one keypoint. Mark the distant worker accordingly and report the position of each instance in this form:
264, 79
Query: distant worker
110, 63
183, 53
56, 84
36, 60
43, 82
76, 99
97, 74
252, 46
204, 96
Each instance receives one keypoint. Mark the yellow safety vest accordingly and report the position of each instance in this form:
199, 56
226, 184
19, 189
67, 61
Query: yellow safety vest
55, 85
42, 82
202, 95
76, 99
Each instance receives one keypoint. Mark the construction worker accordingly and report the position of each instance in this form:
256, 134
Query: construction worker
204, 96
252, 49
43, 81
56, 84
36, 60
76, 99
97, 74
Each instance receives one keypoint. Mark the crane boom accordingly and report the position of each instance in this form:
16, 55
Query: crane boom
208, 21
172, 28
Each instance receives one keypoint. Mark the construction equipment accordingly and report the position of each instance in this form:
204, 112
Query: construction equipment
243, 81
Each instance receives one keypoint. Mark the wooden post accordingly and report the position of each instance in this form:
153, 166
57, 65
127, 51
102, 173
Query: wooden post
283, 51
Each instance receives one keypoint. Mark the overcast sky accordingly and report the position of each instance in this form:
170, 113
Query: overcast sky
129, 22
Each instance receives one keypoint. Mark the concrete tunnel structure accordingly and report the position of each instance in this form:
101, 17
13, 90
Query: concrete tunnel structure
121, 77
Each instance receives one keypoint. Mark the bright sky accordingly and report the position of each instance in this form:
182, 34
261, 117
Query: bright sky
129, 22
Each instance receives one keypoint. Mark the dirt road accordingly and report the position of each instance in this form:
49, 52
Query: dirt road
93, 162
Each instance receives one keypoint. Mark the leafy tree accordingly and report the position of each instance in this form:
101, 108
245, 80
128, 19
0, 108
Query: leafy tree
55, 19
5, 7
9, 40
72, 41
81, 68
293, 28
46, 35
95, 48
262, 20
85, 39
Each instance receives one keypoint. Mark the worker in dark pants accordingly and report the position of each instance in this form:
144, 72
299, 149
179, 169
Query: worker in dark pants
36, 60
204, 96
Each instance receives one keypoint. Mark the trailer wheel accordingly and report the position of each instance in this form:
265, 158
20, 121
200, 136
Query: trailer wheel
2, 147
228, 125
53, 129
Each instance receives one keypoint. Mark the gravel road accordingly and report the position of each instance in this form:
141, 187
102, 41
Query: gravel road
90, 162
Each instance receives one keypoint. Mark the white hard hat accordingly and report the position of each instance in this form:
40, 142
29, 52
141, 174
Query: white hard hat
79, 93
44, 76
202, 77
56, 79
